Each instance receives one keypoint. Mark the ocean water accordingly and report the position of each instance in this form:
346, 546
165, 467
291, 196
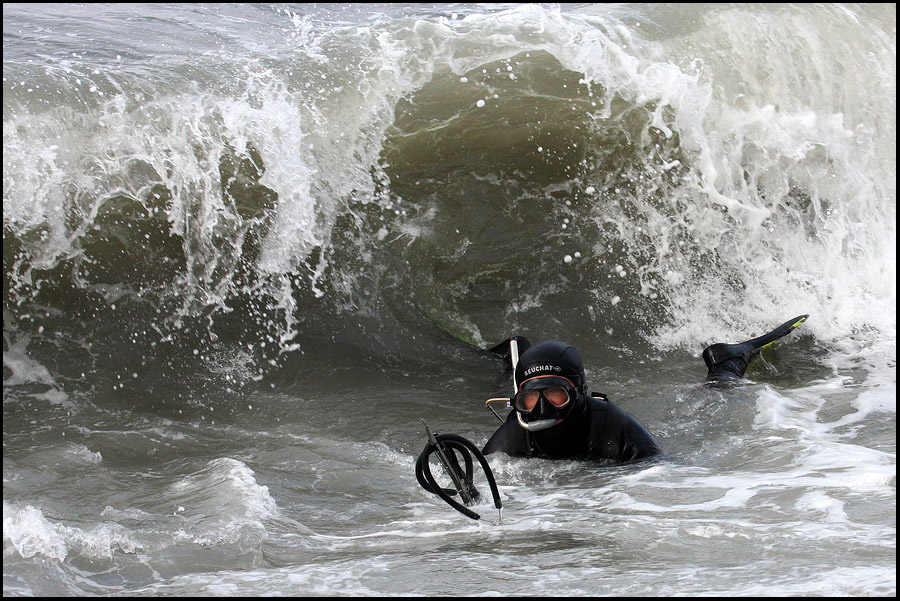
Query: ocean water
247, 248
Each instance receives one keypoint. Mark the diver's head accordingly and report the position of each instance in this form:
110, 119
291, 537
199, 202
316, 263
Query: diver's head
550, 379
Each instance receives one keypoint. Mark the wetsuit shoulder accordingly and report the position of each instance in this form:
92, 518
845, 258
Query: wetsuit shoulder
638, 442
509, 438
617, 435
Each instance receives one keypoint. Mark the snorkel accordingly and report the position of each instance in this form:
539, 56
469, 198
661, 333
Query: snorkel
537, 426
552, 399
544, 367
534, 426
549, 359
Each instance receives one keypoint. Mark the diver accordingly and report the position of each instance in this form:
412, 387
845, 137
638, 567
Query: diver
556, 417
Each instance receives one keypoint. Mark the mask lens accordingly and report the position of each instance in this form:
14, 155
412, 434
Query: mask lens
527, 399
558, 396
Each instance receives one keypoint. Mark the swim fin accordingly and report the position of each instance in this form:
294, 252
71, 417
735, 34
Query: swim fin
730, 361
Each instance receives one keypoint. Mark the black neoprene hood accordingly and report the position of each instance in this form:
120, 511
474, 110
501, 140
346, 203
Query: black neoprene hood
551, 358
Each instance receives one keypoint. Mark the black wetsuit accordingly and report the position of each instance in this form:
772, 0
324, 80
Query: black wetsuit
596, 429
